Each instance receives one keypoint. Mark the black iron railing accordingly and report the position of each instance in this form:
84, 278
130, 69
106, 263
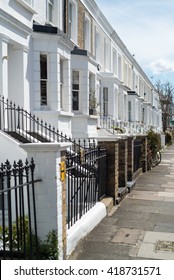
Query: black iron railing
28, 128
86, 181
18, 225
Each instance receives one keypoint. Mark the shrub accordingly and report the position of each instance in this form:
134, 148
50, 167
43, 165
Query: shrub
168, 138
47, 249
154, 139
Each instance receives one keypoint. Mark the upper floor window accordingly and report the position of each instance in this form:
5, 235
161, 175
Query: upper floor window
75, 90
129, 111
97, 45
61, 83
105, 101
43, 79
72, 21
87, 34
107, 55
125, 73
115, 62
119, 67
50, 10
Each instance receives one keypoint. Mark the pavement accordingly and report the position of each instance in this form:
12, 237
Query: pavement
142, 225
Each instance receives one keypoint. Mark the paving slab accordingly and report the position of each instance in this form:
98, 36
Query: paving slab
127, 236
142, 225
157, 245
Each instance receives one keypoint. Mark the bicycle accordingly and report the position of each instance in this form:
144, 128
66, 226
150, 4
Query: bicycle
153, 157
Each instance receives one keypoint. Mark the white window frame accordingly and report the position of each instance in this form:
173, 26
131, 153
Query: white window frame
105, 101
44, 102
107, 54
119, 67
72, 21
75, 90
61, 83
129, 111
87, 33
97, 45
115, 62
50, 7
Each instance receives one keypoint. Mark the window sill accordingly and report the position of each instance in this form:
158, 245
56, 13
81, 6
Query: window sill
64, 113
26, 6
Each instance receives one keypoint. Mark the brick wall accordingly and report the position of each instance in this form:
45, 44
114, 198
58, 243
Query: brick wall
123, 159
112, 153
143, 152
130, 158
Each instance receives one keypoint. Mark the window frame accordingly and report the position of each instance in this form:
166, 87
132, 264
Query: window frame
50, 7
72, 20
75, 91
61, 83
44, 80
87, 33
105, 101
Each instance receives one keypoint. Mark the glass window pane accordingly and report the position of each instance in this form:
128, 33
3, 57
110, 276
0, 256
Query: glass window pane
43, 92
75, 101
43, 66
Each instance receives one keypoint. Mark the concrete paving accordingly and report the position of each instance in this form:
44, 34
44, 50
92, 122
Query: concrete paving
142, 225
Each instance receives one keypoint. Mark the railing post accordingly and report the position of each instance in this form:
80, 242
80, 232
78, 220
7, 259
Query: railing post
3, 208
8, 171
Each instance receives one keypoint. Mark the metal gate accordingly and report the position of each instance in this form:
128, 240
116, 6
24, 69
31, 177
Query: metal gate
86, 180
18, 227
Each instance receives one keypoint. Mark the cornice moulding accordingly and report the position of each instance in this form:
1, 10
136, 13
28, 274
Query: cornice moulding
10, 20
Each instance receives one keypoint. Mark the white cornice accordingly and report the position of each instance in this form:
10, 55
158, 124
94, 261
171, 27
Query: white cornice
55, 37
15, 23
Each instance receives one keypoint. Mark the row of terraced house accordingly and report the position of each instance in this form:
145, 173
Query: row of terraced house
67, 84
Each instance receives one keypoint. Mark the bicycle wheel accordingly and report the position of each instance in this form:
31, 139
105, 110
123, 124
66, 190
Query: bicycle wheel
158, 157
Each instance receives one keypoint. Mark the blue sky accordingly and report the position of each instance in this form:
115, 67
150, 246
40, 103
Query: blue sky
147, 29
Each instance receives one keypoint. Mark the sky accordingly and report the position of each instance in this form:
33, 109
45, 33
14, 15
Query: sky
146, 27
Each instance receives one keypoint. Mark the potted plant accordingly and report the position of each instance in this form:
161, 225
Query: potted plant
92, 103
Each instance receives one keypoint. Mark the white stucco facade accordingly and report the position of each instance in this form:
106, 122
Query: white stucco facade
113, 69
77, 76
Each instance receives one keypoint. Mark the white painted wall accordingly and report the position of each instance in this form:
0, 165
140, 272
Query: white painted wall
47, 157
22, 13
9, 149
83, 226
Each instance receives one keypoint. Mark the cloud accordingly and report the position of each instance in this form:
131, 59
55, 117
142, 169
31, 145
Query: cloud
145, 27
161, 66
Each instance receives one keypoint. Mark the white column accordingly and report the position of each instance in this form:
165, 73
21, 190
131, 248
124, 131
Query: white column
18, 84
4, 69
125, 112
67, 100
49, 191
116, 104
84, 92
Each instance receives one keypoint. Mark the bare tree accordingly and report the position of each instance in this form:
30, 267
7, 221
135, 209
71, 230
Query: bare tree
166, 92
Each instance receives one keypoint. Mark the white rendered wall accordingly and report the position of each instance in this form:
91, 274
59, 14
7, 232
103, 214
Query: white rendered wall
83, 226
22, 13
84, 126
47, 157
9, 149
